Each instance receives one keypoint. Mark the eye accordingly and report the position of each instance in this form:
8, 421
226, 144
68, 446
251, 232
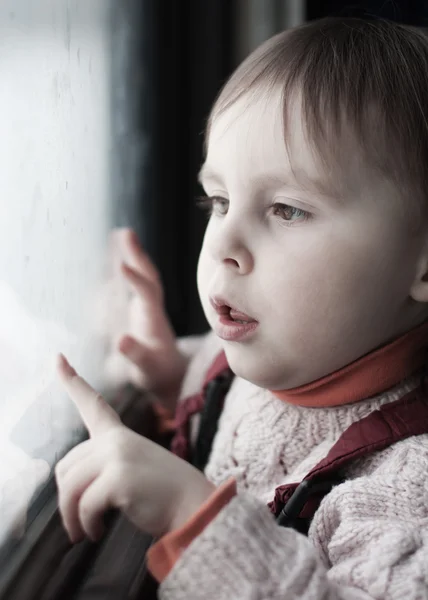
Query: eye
213, 204
289, 213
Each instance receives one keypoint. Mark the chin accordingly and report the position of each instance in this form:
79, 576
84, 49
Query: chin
250, 366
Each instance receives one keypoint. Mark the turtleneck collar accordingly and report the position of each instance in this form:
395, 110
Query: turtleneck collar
366, 377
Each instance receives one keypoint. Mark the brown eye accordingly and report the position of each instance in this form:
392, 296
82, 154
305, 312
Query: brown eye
289, 213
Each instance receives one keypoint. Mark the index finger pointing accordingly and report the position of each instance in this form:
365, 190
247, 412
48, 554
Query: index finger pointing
96, 413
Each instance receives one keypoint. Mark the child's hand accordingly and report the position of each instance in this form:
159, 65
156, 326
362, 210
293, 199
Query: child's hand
152, 346
116, 468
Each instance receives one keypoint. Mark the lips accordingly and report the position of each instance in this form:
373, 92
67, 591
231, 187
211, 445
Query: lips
223, 307
233, 324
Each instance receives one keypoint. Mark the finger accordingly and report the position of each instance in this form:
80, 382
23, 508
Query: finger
96, 413
145, 287
139, 259
76, 454
70, 490
92, 506
136, 352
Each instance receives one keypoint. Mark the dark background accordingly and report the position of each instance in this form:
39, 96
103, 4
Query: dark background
178, 56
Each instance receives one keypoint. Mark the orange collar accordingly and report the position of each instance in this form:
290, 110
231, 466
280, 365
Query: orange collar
366, 377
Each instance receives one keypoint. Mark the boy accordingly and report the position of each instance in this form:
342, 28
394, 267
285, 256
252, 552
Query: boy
314, 278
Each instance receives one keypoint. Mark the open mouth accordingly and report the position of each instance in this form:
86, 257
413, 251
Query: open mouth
238, 317
233, 325
229, 313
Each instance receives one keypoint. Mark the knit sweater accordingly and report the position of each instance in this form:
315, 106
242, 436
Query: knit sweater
369, 537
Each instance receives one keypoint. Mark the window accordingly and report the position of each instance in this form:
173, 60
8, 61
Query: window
55, 215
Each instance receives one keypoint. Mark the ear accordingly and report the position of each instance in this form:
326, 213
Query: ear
419, 289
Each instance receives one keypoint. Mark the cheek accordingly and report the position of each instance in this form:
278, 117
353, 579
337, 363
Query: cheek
334, 280
202, 274
206, 262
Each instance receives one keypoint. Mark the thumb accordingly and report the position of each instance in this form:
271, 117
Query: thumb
96, 413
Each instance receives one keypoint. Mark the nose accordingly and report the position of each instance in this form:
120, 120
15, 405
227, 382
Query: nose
228, 245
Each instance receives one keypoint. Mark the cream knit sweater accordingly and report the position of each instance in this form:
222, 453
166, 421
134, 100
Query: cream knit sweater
368, 539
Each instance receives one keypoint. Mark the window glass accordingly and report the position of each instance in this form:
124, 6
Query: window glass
55, 155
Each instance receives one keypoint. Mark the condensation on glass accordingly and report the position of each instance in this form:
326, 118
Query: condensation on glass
55, 160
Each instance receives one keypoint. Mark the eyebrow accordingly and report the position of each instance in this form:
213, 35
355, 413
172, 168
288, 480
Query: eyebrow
322, 185
299, 175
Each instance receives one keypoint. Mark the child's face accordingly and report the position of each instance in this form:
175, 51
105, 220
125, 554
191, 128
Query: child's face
327, 277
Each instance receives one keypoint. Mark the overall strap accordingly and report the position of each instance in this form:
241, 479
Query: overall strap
391, 423
209, 402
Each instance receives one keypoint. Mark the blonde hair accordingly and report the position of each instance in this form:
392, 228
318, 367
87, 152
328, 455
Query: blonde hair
367, 75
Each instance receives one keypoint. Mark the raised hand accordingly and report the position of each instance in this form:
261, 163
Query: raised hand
116, 468
150, 342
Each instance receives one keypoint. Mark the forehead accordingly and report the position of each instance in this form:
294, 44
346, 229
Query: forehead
248, 142
249, 136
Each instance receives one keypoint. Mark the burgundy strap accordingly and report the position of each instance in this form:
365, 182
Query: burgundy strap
393, 422
180, 444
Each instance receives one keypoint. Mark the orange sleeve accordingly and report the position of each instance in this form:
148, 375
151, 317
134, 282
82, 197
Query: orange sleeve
163, 555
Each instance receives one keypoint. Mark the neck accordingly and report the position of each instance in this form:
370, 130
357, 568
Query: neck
366, 377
